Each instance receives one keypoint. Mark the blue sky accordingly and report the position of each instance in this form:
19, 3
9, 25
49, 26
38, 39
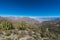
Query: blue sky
30, 7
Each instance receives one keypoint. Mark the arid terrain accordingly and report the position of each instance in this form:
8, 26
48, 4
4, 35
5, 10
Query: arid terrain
25, 28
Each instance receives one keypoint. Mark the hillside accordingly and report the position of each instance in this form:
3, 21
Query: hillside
26, 28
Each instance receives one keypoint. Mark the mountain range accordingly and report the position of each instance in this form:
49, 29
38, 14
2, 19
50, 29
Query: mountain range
29, 19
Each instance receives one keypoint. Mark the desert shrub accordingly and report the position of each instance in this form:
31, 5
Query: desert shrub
22, 26
6, 25
8, 39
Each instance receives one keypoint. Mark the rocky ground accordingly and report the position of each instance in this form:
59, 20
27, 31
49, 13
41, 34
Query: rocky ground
19, 35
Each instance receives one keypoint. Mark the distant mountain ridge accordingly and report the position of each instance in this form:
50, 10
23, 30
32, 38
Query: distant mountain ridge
30, 20
48, 19
24, 19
